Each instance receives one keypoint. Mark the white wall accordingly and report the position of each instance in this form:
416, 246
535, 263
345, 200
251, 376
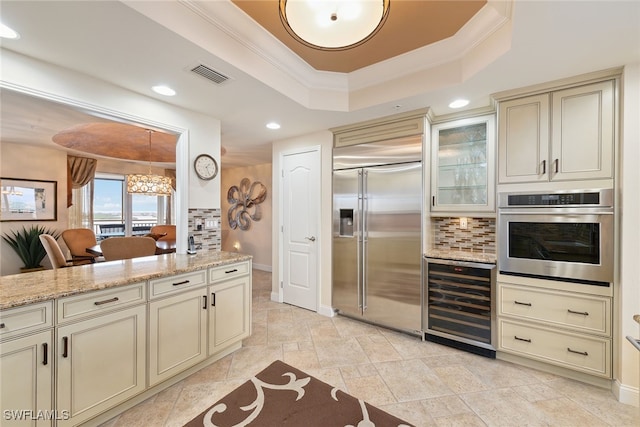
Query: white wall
628, 297
323, 139
257, 240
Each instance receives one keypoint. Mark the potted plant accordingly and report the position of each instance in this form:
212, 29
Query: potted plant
26, 243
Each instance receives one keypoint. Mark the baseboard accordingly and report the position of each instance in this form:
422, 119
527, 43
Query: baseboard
275, 297
326, 310
626, 394
262, 267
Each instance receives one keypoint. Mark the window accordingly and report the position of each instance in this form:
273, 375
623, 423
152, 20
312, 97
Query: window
137, 213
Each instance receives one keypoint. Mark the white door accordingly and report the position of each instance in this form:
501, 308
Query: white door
300, 226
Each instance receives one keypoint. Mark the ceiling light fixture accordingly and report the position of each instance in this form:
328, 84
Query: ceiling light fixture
273, 125
164, 90
7, 32
459, 103
333, 24
150, 184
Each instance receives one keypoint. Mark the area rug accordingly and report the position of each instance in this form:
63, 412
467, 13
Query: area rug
282, 395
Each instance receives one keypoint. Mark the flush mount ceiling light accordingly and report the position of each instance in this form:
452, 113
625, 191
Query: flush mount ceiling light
459, 103
273, 125
164, 90
150, 184
333, 24
7, 32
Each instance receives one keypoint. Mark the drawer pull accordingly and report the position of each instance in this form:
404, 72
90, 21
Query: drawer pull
45, 354
528, 304
522, 339
584, 353
213, 299
584, 313
204, 304
107, 301
65, 347
184, 282
231, 271
2, 326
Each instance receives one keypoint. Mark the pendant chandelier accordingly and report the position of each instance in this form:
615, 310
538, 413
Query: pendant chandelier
333, 24
150, 184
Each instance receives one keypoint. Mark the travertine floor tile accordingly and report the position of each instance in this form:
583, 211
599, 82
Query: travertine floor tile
370, 389
412, 380
340, 352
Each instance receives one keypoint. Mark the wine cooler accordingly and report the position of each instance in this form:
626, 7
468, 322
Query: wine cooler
459, 305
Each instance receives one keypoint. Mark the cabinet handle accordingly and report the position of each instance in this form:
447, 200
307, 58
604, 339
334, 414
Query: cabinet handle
544, 167
433, 200
65, 347
584, 313
234, 270
184, 282
522, 339
213, 299
584, 353
2, 326
555, 163
45, 354
107, 301
204, 305
528, 304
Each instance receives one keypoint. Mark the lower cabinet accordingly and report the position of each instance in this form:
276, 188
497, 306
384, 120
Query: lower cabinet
100, 363
177, 333
568, 329
26, 369
229, 313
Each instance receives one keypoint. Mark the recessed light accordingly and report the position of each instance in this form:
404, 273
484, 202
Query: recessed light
459, 103
8, 33
164, 90
273, 125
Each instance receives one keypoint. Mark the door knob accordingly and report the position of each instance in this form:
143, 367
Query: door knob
312, 238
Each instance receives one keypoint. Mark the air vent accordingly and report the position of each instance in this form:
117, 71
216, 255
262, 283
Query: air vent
210, 74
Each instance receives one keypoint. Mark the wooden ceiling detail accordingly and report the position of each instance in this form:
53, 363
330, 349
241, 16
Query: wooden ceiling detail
411, 24
120, 141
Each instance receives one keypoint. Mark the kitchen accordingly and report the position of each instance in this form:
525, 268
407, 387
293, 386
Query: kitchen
324, 139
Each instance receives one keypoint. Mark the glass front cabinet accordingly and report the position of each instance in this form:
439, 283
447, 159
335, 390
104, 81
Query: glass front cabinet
462, 165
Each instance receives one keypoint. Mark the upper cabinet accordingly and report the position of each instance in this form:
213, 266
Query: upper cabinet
563, 135
462, 165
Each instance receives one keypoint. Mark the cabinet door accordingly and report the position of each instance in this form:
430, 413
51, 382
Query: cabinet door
583, 132
100, 363
229, 313
177, 334
523, 140
26, 372
462, 165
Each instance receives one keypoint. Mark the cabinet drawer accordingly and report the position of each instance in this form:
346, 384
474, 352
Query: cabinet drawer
29, 318
228, 271
98, 302
173, 284
584, 313
579, 352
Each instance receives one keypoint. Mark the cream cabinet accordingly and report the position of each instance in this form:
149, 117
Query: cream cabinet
26, 366
100, 362
177, 333
563, 135
568, 329
462, 165
229, 313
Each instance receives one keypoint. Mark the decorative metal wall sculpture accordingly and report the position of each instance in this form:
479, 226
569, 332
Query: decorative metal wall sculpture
245, 203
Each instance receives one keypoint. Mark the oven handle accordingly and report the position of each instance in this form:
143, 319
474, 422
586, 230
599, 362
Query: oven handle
558, 211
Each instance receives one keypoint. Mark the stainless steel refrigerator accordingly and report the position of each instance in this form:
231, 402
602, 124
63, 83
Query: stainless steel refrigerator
377, 233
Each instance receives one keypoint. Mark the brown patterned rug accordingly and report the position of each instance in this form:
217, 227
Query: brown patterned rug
282, 395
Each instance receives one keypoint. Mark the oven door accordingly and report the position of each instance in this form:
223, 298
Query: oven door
566, 244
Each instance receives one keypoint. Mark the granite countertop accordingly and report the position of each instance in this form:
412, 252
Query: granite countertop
636, 317
461, 255
27, 288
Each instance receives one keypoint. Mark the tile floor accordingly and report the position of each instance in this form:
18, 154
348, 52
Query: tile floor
424, 383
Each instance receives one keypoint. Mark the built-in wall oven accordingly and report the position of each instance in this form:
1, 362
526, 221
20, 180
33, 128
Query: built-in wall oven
564, 235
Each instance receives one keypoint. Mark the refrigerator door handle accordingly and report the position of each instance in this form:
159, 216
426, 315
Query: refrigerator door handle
358, 230
363, 264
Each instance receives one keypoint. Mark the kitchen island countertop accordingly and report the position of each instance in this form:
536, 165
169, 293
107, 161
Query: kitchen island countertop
27, 288
458, 255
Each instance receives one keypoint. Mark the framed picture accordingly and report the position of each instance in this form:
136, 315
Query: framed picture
28, 200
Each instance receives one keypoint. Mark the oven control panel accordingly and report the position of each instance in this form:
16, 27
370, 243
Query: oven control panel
576, 198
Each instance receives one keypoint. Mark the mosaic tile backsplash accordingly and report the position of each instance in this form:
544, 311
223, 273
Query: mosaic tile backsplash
206, 239
479, 236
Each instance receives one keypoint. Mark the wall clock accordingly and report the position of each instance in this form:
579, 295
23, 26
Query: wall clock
205, 166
